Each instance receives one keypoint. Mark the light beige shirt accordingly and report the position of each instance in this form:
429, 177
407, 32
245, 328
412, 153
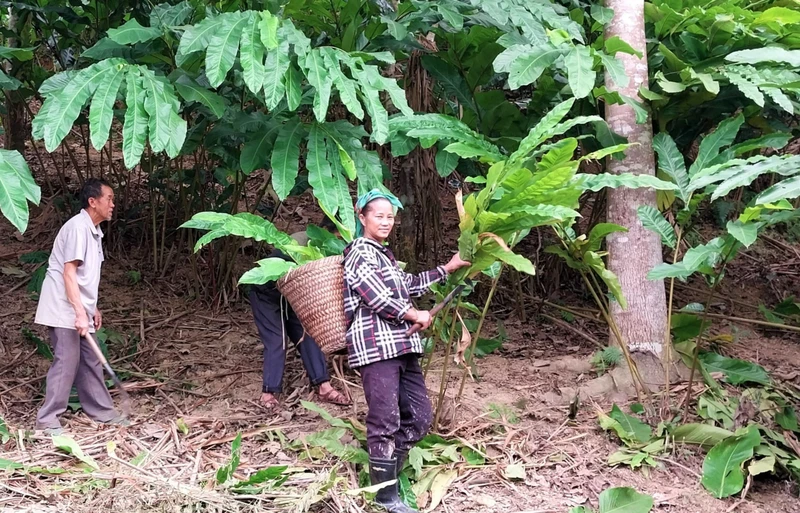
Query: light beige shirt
79, 239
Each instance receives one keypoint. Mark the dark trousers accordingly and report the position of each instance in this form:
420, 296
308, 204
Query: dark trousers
399, 411
267, 313
74, 363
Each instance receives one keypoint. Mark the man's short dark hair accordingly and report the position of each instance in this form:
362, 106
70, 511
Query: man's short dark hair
92, 188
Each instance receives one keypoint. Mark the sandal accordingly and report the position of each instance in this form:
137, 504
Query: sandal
269, 402
333, 396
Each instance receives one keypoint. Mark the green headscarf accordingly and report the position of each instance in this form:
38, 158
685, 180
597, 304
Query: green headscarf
370, 196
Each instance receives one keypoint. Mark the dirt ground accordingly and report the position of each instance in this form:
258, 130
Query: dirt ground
194, 379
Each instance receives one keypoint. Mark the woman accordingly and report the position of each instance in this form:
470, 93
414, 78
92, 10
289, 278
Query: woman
379, 312
276, 320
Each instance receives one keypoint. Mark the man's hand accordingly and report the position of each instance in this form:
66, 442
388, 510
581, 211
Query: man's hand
98, 319
82, 323
456, 263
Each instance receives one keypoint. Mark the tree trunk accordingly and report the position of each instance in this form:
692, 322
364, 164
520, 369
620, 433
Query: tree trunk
631, 255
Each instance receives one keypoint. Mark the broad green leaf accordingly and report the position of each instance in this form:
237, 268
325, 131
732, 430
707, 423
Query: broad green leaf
711, 145
736, 371
601, 15
268, 27
251, 54
397, 30
528, 67
225, 472
670, 162
101, 111
762, 466
780, 98
624, 500
197, 37
704, 435
345, 86
786, 189
450, 15
766, 54
285, 157
9, 83
581, 75
158, 106
20, 54
165, 15
262, 476
747, 87
65, 106
518, 262
652, 219
699, 258
615, 69
542, 131
446, 162
70, 446
277, 74
780, 15
134, 130
616, 44
255, 152
320, 80
269, 269
596, 263
746, 233
449, 78
722, 467
438, 127
15, 163
599, 233
596, 182
223, 46
12, 198
56, 83
320, 176
561, 153
132, 32
636, 429
294, 90
191, 91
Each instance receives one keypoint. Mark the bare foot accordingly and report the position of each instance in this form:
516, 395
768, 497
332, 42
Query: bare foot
269, 401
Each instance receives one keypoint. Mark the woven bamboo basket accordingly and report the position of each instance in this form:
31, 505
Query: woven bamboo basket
316, 292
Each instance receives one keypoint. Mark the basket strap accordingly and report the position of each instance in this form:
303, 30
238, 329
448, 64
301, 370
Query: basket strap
283, 322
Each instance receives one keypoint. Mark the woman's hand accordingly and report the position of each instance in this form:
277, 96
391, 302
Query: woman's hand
421, 317
424, 318
456, 263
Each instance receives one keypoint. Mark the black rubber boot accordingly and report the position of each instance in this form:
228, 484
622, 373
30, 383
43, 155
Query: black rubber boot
381, 471
400, 457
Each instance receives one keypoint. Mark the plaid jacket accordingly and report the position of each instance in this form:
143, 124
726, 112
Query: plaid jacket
377, 294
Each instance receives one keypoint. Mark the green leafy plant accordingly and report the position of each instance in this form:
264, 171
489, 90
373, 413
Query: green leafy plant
619, 499
605, 359
17, 188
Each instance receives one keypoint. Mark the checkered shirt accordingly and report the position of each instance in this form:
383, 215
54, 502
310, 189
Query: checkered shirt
377, 294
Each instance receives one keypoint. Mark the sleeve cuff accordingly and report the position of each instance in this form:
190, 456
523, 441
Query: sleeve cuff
403, 311
443, 273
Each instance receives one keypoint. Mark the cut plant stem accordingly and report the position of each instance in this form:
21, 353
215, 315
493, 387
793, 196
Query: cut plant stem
477, 336
443, 383
436, 335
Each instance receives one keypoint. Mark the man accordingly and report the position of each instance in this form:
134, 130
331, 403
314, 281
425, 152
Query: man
68, 307
276, 320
